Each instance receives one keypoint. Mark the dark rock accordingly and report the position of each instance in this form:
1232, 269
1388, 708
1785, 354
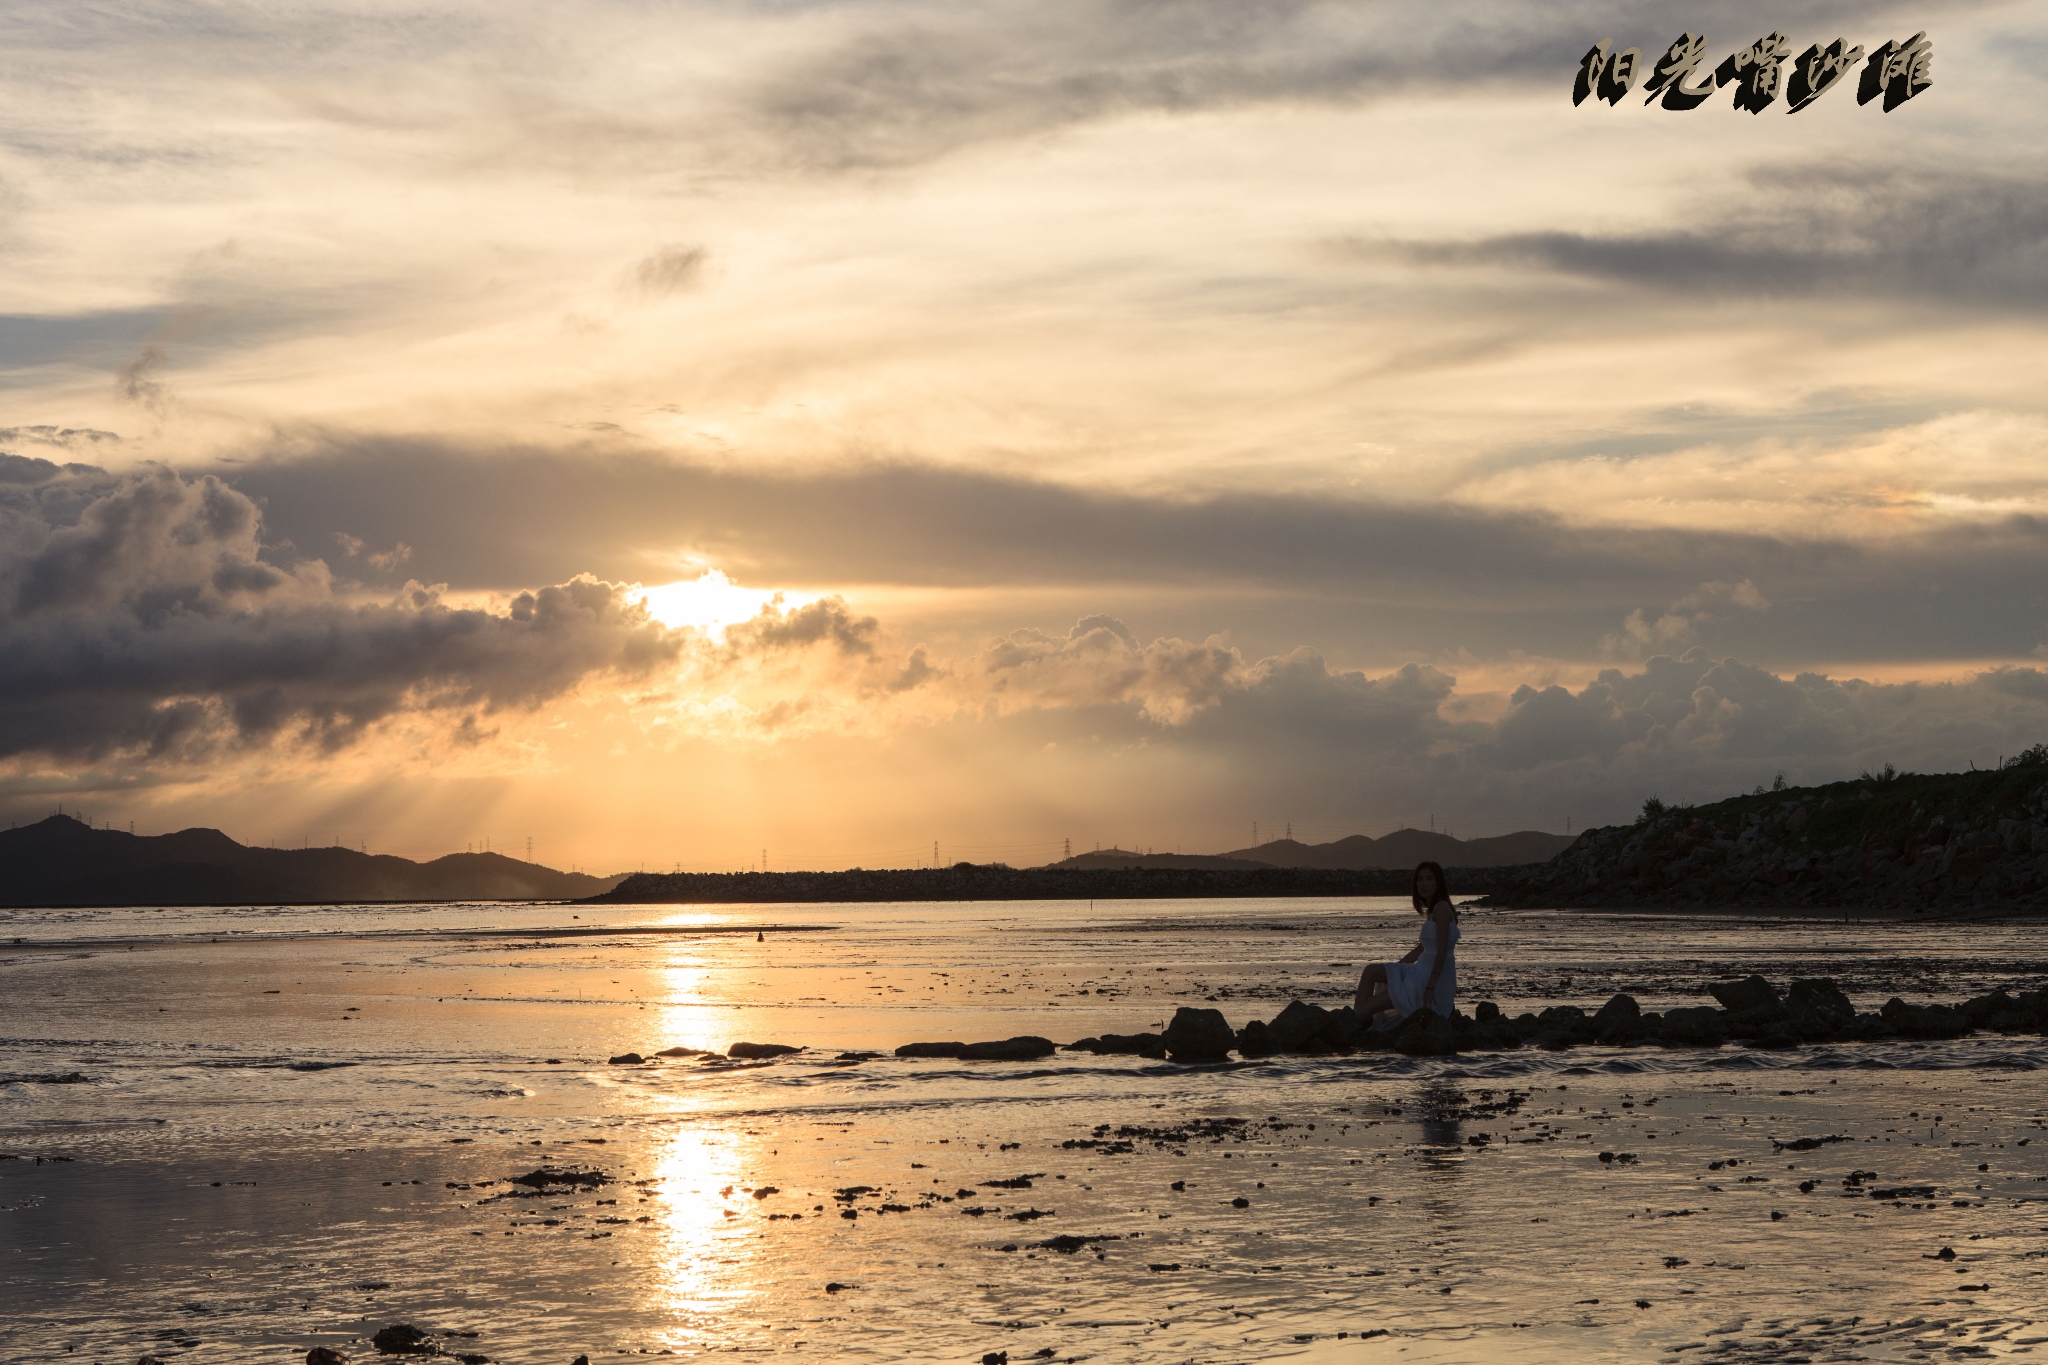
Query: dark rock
1342, 1029
1618, 1009
1256, 1040
1298, 1023
546, 1177
1695, 1026
580, 1360
1240, 1203
1752, 993
1067, 1243
931, 1049
1981, 1009
1198, 1035
1128, 1044
1923, 1021
1945, 1254
627, 1059
684, 1052
1821, 997
325, 1355
996, 1358
751, 1051
1024, 1049
403, 1339
1425, 1033
834, 1287
1486, 1011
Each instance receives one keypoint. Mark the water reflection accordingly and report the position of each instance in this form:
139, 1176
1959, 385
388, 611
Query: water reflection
700, 1197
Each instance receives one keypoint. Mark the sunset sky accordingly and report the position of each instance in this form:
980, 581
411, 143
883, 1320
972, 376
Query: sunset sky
678, 431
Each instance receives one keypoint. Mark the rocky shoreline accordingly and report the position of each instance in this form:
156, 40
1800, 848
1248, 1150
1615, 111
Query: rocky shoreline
1753, 1014
1904, 843
995, 882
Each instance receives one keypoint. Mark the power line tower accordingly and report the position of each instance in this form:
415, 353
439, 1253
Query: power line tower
1066, 849
1290, 831
935, 853
529, 848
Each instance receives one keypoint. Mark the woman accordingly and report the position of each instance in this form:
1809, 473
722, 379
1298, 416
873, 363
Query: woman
1428, 977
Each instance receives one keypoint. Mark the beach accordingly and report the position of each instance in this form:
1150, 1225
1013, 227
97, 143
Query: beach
215, 1188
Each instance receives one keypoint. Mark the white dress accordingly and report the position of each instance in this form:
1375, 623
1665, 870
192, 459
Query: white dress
1406, 980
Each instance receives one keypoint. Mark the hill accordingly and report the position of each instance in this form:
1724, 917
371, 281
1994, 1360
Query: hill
1910, 842
62, 861
1111, 859
1407, 847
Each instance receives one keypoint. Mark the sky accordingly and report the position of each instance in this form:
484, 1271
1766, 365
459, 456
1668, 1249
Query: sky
843, 434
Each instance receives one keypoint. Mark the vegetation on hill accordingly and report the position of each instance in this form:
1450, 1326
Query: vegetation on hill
1886, 840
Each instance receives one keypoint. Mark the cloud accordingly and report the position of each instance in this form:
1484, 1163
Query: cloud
1875, 230
1430, 576
671, 270
1678, 626
144, 616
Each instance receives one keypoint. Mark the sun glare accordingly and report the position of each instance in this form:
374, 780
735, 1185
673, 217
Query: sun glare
711, 601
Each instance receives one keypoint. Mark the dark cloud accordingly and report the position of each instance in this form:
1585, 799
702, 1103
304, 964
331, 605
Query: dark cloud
903, 84
144, 617
1882, 232
671, 270
1428, 577
1295, 734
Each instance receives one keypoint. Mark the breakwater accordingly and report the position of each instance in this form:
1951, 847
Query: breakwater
994, 882
1945, 843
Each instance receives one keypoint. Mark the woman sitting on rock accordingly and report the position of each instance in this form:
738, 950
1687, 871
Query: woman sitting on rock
1428, 977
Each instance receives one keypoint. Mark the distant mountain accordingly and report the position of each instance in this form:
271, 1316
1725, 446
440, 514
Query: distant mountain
61, 861
1407, 847
1116, 859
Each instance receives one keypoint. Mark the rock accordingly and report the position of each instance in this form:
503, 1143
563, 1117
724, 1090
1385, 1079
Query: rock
1342, 1029
931, 1049
1128, 1044
1945, 1254
1024, 1049
1486, 1012
834, 1287
1697, 1026
403, 1339
627, 1059
325, 1355
751, 1051
1617, 1009
152, 1360
1198, 1035
1425, 1033
1297, 1024
1256, 1040
1923, 1021
1741, 997
996, 1358
1240, 1203
1822, 998
684, 1052
580, 1360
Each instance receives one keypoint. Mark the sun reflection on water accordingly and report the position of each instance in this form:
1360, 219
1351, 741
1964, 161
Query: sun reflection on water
705, 1254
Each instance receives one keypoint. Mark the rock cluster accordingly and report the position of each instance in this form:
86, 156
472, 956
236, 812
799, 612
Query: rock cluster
1752, 1012
1976, 840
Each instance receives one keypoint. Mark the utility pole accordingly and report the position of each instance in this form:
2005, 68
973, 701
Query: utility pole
529, 848
1066, 849
935, 853
1255, 834
1290, 831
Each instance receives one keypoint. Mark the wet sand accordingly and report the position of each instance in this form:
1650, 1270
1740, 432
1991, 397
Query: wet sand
1425, 1209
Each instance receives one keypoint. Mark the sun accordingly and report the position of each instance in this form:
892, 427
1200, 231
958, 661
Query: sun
711, 601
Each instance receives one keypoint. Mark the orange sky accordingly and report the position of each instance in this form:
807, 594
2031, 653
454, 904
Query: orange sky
1382, 418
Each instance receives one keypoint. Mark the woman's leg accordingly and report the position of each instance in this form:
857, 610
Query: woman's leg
1379, 1004
1371, 982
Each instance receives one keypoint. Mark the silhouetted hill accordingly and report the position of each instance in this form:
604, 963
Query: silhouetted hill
61, 861
1407, 847
1108, 859
1975, 842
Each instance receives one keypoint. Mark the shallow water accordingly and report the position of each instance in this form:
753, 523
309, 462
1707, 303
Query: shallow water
1455, 1208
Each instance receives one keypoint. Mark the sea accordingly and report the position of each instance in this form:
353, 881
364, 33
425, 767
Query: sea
239, 1134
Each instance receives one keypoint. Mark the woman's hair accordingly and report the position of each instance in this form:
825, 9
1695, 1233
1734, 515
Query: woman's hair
1443, 888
